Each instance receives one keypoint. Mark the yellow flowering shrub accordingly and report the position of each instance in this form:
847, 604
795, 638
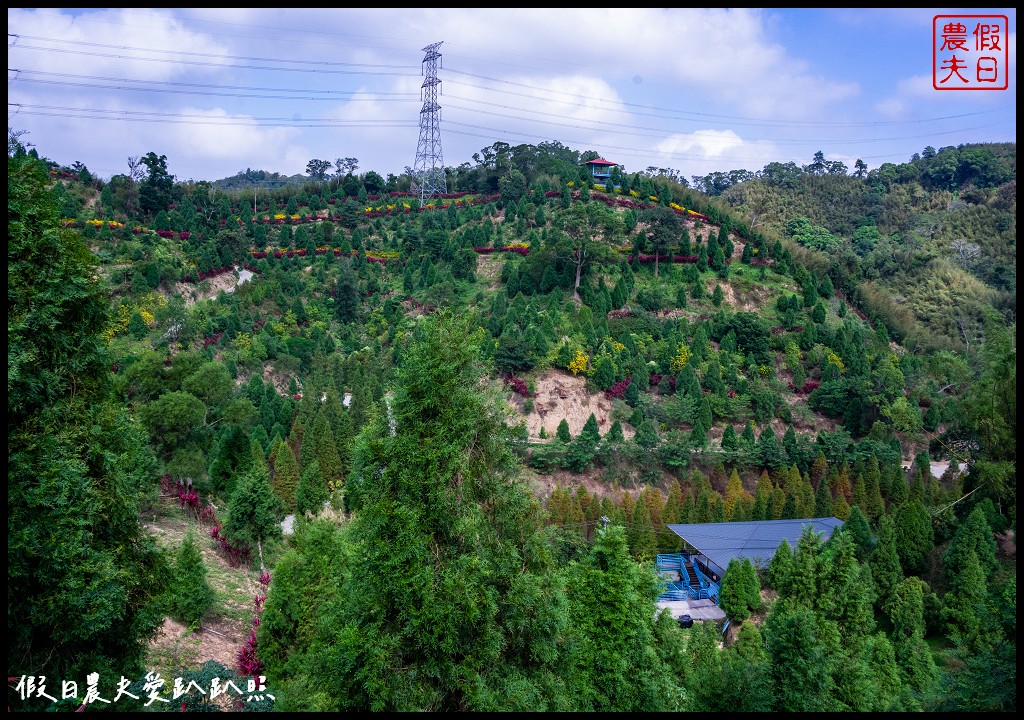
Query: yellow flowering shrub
579, 363
681, 357
243, 343
836, 360
146, 306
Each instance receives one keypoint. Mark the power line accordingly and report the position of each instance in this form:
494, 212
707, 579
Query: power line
225, 120
692, 115
319, 64
190, 88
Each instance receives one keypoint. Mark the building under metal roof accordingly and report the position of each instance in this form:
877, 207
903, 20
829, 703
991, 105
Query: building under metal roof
757, 539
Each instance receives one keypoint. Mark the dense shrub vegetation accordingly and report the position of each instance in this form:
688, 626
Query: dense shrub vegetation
769, 345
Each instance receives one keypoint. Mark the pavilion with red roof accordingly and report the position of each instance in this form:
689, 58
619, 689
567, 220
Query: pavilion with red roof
600, 170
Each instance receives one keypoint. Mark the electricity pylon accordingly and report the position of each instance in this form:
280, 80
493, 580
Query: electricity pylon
429, 166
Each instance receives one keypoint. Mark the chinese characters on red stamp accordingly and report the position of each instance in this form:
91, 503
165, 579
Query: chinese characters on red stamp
970, 52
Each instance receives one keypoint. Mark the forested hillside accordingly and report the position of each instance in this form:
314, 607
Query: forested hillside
422, 457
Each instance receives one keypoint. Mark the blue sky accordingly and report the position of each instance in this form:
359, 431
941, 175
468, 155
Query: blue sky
219, 90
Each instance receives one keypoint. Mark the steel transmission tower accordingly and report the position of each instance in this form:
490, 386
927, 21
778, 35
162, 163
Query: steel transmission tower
429, 165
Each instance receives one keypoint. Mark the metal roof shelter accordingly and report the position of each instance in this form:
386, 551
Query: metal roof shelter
757, 540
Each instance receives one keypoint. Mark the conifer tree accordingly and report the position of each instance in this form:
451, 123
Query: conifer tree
443, 604
973, 535
740, 592
563, 434
655, 505
800, 661
860, 494
965, 607
191, 594
913, 656
857, 526
898, 490
285, 482
885, 561
873, 489
729, 441
83, 577
804, 495
559, 506
823, 500
642, 540
254, 513
614, 434
615, 666
915, 536
327, 453
781, 567
819, 470
769, 454
647, 435
733, 492
312, 492
747, 440
628, 505
777, 504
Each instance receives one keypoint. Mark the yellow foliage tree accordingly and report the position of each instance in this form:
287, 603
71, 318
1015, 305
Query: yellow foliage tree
681, 357
579, 363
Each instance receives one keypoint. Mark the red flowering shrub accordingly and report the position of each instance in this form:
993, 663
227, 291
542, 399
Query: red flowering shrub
247, 663
518, 385
618, 390
212, 340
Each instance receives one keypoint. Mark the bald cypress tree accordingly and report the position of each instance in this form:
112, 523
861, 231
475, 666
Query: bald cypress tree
965, 607
327, 453
642, 541
83, 578
451, 599
285, 482
255, 512
562, 433
191, 594
885, 561
741, 590
873, 489
312, 492
973, 535
857, 527
614, 664
913, 656
915, 536
823, 500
